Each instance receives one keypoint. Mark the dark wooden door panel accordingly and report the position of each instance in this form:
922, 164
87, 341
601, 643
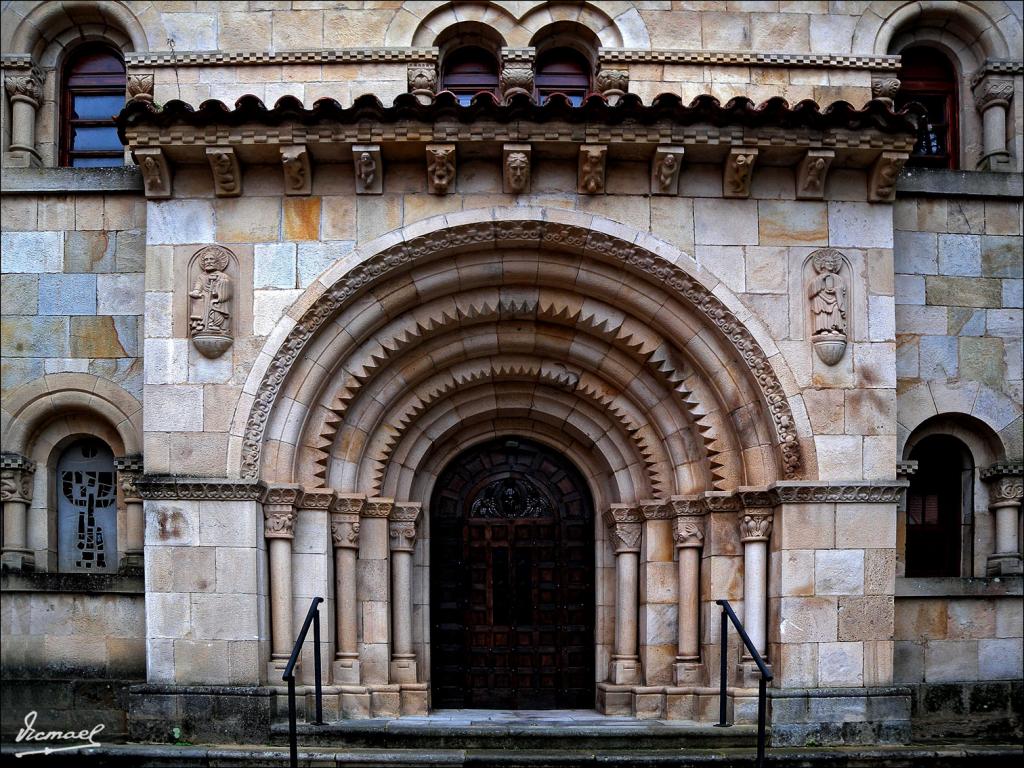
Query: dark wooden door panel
512, 581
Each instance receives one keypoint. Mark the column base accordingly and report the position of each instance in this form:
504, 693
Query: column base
18, 156
355, 702
1005, 564
624, 670
18, 560
614, 699
345, 669
415, 700
275, 668
748, 675
689, 671
385, 701
997, 161
403, 669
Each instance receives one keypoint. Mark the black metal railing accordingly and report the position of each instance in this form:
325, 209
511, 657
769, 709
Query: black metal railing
728, 614
312, 616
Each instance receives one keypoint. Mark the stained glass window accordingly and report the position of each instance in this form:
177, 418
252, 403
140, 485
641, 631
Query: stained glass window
86, 508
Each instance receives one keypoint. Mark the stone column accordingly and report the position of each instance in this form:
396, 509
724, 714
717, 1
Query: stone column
402, 533
624, 523
689, 539
279, 530
755, 530
16, 494
26, 93
992, 96
129, 472
373, 591
1005, 491
345, 536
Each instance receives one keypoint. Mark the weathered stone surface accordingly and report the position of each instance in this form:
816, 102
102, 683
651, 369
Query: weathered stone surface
981, 359
20, 294
34, 337
90, 251
177, 222
839, 572
31, 251
866, 618
841, 664
939, 358
67, 294
274, 265
960, 255
121, 294
963, 291
859, 225
725, 222
104, 336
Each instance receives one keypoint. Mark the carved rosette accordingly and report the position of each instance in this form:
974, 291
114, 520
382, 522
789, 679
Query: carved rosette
812, 172
440, 168
129, 472
156, 172
211, 299
829, 305
279, 511
227, 174
592, 169
422, 81
368, 170
26, 86
516, 79
665, 170
402, 526
739, 171
140, 87
625, 526
298, 176
885, 171
16, 473
991, 91
377, 506
613, 84
755, 525
885, 87
688, 532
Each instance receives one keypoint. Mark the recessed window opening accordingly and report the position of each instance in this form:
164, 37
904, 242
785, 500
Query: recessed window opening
562, 70
927, 77
939, 504
93, 93
469, 71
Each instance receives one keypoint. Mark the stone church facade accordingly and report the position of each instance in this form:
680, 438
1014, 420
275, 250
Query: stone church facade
684, 307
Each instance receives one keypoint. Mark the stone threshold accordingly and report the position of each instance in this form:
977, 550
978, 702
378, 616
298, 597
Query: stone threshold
133, 755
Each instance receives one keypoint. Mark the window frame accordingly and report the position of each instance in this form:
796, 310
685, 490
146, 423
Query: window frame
562, 82
942, 85
472, 82
67, 154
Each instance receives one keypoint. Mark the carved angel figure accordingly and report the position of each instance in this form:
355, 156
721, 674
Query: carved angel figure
827, 292
211, 295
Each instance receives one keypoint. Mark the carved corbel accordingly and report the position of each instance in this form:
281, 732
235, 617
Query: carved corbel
423, 82
156, 172
885, 171
279, 511
665, 170
739, 170
613, 84
369, 171
440, 168
884, 88
402, 526
516, 168
227, 175
592, 164
140, 86
298, 177
129, 472
812, 173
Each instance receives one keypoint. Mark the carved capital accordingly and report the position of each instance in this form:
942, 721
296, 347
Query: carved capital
140, 87
625, 525
739, 170
378, 506
812, 172
129, 473
345, 530
516, 168
368, 170
279, 511
688, 532
885, 171
689, 506
156, 172
349, 503
402, 526
440, 168
422, 81
991, 91
755, 525
319, 500
591, 169
1005, 483
16, 477
885, 87
227, 174
27, 86
665, 170
722, 501
298, 176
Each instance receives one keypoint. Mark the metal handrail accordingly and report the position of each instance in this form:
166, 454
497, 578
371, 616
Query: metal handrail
728, 614
312, 616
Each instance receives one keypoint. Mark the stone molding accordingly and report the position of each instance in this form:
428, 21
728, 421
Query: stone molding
1008, 67
16, 473
332, 56
757, 498
882, 492
377, 506
625, 525
158, 487
747, 58
490, 234
317, 501
908, 468
349, 503
656, 509
129, 471
689, 506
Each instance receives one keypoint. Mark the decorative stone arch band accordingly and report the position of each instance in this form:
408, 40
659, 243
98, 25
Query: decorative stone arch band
477, 231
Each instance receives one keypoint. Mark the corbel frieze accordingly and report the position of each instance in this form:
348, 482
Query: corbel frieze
156, 172
812, 172
593, 158
665, 170
739, 171
298, 176
882, 181
368, 169
227, 175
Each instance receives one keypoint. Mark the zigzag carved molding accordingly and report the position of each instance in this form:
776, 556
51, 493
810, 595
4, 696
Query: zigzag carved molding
523, 234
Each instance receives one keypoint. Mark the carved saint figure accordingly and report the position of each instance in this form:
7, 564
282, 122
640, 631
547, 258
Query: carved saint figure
366, 169
440, 168
211, 295
827, 293
518, 170
666, 171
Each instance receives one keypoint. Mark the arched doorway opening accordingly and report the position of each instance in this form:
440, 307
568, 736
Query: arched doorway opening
512, 580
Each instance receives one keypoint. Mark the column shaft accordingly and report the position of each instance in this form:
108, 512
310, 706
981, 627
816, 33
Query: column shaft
755, 585
344, 587
402, 534
689, 603
625, 525
23, 124
345, 528
281, 637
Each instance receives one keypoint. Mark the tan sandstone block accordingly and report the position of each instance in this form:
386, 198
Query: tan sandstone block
921, 619
302, 218
788, 222
866, 618
865, 526
806, 526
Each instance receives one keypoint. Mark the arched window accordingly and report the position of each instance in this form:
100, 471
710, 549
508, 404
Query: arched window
562, 70
469, 71
93, 92
86, 508
939, 504
927, 77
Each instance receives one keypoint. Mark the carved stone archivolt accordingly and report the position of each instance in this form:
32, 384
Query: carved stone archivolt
211, 296
827, 294
440, 168
298, 176
592, 169
516, 168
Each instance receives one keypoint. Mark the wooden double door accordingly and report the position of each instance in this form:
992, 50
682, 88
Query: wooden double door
512, 581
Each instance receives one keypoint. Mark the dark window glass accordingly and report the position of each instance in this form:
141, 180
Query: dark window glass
93, 93
562, 70
469, 71
927, 77
86, 508
935, 506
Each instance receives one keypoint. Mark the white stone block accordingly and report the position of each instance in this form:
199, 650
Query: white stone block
166, 361
859, 225
881, 318
237, 570
915, 253
724, 262
725, 222
948, 661
171, 523
268, 307
910, 289
157, 322
274, 265
228, 523
839, 572
180, 222
224, 617
31, 252
314, 258
173, 408
159, 660
203, 370
960, 255
168, 614
120, 294
192, 31
841, 665
839, 457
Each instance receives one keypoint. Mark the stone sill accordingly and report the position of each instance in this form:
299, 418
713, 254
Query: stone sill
938, 182
954, 586
128, 582
21, 181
